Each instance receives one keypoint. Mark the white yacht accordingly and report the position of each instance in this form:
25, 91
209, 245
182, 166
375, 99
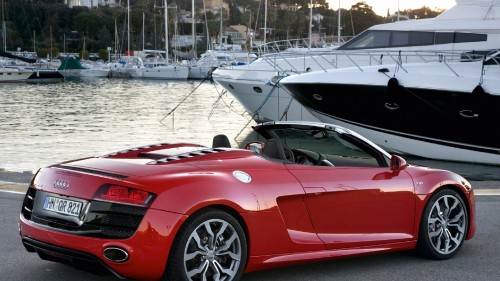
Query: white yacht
212, 59
446, 109
469, 25
157, 67
14, 74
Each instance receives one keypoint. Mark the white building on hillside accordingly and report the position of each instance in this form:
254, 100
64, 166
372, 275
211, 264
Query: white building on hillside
92, 3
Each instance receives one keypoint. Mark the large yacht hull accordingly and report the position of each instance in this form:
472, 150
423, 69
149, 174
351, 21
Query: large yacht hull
261, 99
434, 110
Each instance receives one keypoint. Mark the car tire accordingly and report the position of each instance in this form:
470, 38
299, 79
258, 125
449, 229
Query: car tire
443, 226
212, 245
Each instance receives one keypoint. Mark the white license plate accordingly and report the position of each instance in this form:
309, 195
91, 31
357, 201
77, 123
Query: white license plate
62, 206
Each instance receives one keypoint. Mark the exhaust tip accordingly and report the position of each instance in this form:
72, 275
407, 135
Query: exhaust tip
115, 254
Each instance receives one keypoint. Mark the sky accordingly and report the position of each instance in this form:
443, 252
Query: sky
380, 6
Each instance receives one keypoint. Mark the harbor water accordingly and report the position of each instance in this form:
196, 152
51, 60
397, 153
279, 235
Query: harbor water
43, 124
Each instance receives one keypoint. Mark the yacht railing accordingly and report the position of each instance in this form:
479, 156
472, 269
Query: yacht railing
298, 45
290, 62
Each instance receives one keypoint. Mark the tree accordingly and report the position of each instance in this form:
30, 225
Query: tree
361, 17
424, 12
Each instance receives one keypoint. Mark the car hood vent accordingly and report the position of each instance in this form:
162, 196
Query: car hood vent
187, 155
90, 171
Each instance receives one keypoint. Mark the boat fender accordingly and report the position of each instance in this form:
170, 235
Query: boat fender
480, 98
393, 88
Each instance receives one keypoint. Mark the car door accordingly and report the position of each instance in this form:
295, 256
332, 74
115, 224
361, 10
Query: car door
358, 206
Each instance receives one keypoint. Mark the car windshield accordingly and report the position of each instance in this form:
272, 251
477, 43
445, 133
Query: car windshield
338, 148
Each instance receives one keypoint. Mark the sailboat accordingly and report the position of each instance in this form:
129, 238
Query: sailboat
203, 67
253, 85
159, 67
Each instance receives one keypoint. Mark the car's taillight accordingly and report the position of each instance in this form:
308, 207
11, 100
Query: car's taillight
123, 194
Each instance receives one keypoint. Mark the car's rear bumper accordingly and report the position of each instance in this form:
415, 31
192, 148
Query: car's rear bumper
147, 249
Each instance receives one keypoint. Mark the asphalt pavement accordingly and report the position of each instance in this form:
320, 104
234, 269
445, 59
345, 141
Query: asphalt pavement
477, 260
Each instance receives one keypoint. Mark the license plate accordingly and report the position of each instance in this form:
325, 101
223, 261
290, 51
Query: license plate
62, 206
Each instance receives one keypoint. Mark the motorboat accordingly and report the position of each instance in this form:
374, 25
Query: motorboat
469, 25
14, 74
95, 70
446, 109
203, 67
253, 84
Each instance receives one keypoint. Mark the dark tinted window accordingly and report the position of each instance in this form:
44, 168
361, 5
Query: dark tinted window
385, 39
469, 37
400, 38
444, 37
368, 39
418, 38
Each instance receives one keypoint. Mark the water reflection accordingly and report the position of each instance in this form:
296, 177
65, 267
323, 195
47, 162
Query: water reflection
42, 124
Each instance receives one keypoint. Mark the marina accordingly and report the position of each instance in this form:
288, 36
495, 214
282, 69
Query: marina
43, 124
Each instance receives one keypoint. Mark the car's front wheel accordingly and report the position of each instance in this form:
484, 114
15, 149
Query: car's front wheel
443, 226
210, 246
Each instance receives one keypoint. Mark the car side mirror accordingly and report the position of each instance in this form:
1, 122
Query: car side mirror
398, 163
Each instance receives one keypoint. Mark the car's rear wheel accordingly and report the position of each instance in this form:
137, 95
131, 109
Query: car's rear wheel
443, 226
210, 246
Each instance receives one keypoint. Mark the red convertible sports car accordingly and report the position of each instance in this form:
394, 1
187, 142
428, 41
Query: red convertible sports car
298, 192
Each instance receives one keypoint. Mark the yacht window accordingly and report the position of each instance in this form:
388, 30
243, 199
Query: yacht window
469, 37
444, 37
418, 38
368, 39
400, 38
385, 39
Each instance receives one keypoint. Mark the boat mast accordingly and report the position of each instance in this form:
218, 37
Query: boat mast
206, 25
116, 37
4, 29
265, 21
310, 23
50, 42
339, 28
143, 31
193, 29
220, 32
166, 29
128, 27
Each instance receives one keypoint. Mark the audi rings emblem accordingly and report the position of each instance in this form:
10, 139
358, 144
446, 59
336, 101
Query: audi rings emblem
61, 184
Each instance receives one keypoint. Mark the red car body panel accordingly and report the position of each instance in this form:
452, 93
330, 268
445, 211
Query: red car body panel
290, 213
147, 247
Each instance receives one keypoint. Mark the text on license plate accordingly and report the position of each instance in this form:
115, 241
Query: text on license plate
62, 206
